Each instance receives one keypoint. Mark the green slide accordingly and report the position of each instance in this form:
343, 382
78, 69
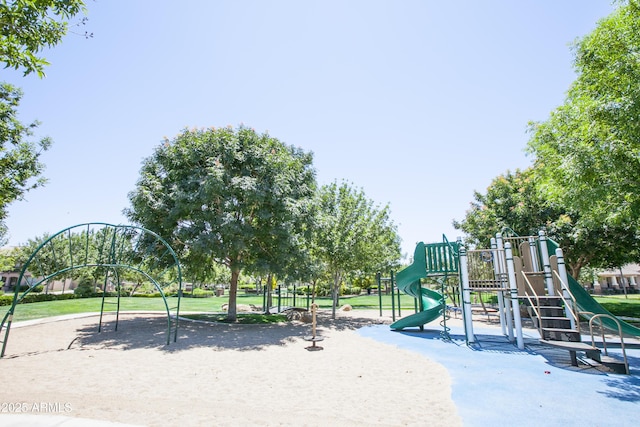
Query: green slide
586, 303
408, 281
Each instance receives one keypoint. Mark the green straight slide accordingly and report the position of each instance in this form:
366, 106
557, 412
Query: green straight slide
408, 281
589, 306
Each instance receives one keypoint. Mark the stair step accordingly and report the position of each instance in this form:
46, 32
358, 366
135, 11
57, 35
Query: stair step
549, 301
571, 345
594, 353
556, 322
614, 364
560, 334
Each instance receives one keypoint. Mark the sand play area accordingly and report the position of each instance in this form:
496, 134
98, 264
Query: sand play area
220, 374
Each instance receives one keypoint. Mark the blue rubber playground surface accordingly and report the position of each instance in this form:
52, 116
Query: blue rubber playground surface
494, 383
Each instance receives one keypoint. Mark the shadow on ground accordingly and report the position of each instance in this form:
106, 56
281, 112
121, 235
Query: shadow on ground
151, 332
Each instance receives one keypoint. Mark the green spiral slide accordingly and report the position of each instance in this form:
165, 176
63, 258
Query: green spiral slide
408, 281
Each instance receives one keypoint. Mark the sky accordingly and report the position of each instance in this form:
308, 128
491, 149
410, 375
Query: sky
417, 103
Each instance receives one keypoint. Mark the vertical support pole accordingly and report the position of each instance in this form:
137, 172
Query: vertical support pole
279, 298
466, 296
393, 297
264, 300
562, 272
119, 294
535, 264
295, 293
499, 268
379, 280
546, 265
511, 271
398, 292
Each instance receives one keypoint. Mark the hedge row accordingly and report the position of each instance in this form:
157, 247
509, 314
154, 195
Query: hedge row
34, 297
8, 299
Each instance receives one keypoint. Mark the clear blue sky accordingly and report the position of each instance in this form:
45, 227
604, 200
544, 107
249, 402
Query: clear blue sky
419, 103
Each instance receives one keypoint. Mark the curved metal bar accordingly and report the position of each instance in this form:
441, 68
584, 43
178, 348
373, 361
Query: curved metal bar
109, 255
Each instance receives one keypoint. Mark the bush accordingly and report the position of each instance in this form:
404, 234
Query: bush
8, 299
198, 293
303, 290
353, 290
84, 290
323, 290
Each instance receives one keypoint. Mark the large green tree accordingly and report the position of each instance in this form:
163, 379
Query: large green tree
587, 152
227, 196
353, 235
512, 200
515, 201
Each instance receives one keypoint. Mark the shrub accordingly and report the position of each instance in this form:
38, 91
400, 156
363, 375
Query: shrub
323, 290
84, 290
353, 290
198, 293
303, 290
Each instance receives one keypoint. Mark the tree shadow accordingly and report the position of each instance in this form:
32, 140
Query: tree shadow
151, 332
623, 387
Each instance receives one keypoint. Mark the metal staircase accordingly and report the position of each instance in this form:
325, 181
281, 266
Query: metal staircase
549, 316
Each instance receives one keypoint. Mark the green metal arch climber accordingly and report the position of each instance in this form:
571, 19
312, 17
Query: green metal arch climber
109, 251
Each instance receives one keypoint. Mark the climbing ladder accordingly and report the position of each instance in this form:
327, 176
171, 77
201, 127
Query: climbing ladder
110, 252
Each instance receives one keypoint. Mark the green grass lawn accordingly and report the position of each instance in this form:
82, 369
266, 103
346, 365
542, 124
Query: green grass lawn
618, 305
199, 305
621, 306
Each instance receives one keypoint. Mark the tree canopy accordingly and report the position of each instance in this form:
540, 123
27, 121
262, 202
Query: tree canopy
228, 196
353, 235
28, 26
583, 185
515, 201
587, 153
20, 165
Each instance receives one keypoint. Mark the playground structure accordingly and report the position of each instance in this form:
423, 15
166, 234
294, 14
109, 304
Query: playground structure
527, 272
112, 252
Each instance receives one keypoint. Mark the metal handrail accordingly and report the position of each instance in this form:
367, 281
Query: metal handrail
604, 341
574, 303
576, 314
531, 304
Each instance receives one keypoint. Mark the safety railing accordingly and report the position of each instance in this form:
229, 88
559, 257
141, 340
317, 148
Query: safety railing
535, 307
572, 303
604, 340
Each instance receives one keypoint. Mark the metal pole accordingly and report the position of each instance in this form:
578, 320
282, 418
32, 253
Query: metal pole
393, 299
294, 294
399, 308
279, 298
466, 296
379, 280
546, 265
499, 268
511, 271
562, 272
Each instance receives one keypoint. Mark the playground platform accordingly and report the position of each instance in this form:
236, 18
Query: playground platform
494, 383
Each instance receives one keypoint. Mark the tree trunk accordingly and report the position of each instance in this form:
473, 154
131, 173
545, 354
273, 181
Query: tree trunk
334, 294
269, 298
232, 307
